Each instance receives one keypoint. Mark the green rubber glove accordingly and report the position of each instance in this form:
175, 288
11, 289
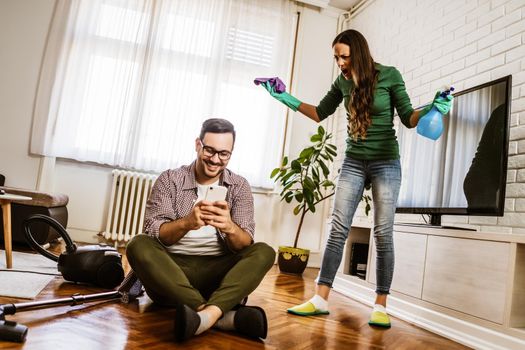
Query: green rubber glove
284, 97
442, 104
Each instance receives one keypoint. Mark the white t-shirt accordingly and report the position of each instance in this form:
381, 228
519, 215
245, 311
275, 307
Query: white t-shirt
202, 241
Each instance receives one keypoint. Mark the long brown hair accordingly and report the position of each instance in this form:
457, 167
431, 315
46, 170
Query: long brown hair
364, 74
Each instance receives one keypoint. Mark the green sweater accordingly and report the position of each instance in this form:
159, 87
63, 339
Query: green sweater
381, 141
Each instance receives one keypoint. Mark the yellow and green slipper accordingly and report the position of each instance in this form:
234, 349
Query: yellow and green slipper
307, 309
379, 319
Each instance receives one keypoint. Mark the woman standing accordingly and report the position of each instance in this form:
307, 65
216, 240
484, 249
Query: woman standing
370, 92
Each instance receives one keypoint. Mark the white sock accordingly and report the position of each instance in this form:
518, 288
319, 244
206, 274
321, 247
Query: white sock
226, 322
380, 308
319, 302
205, 322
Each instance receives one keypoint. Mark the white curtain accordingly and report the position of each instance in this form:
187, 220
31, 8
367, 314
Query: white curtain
434, 171
128, 83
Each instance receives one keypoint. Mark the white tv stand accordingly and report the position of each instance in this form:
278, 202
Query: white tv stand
467, 286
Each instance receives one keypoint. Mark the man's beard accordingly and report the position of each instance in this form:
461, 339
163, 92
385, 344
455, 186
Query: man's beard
210, 163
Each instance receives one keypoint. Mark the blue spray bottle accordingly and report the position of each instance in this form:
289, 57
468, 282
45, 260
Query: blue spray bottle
431, 124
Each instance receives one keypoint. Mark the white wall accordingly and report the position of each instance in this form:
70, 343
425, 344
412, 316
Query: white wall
312, 79
23, 29
464, 42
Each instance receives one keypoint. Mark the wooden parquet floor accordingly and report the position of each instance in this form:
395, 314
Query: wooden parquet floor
143, 325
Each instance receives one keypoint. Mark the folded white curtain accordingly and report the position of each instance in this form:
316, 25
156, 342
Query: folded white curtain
129, 82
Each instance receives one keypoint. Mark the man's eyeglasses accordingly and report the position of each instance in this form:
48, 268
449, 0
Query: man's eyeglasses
209, 152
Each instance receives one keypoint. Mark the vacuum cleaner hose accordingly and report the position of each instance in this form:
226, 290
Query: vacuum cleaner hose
70, 246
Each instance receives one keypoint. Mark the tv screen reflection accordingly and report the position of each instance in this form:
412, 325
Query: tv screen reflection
465, 169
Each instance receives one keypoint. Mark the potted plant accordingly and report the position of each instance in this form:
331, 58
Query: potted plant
307, 181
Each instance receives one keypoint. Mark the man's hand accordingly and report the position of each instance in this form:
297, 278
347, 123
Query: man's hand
172, 231
217, 214
194, 220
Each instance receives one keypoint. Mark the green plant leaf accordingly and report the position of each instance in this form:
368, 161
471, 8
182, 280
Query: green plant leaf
307, 152
290, 184
286, 177
299, 197
324, 167
281, 174
316, 138
315, 174
296, 166
367, 200
328, 183
328, 156
308, 196
297, 209
309, 183
311, 206
320, 130
285, 161
331, 152
275, 172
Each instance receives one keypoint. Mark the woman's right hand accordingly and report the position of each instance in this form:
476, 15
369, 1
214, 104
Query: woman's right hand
284, 97
290, 101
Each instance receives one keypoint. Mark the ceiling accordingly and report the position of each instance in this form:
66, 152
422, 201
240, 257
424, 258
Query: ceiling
343, 4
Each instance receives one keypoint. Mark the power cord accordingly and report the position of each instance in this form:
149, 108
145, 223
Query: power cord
36, 272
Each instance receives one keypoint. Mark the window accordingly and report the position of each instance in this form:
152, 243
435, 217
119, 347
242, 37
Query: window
136, 79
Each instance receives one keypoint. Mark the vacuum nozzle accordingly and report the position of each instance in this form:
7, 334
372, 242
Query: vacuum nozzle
12, 331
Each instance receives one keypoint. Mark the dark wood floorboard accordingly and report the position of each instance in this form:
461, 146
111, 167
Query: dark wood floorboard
142, 325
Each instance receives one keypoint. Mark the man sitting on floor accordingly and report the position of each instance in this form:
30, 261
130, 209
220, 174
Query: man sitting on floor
199, 255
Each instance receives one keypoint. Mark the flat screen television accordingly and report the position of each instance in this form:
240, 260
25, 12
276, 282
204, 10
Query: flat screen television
464, 172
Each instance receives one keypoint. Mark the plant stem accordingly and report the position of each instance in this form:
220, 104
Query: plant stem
322, 199
305, 209
299, 227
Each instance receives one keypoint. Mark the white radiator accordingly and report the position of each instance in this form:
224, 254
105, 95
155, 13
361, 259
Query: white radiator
129, 193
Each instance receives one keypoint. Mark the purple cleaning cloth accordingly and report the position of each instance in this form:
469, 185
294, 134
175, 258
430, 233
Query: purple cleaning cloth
277, 83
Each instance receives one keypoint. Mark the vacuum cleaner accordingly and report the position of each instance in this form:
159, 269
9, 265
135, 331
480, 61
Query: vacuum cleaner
128, 291
100, 265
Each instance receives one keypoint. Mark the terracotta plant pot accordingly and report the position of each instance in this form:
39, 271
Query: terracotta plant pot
292, 260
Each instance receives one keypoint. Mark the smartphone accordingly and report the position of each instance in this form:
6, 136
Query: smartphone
216, 193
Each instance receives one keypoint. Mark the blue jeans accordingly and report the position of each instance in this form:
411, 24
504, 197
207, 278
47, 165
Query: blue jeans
385, 177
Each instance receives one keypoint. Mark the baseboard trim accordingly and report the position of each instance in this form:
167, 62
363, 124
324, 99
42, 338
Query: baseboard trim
314, 260
460, 331
82, 235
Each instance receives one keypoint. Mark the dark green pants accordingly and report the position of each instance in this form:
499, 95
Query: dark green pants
194, 280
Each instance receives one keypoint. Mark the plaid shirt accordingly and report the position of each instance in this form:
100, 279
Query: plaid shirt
175, 192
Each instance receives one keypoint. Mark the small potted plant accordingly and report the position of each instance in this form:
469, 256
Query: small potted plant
307, 181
